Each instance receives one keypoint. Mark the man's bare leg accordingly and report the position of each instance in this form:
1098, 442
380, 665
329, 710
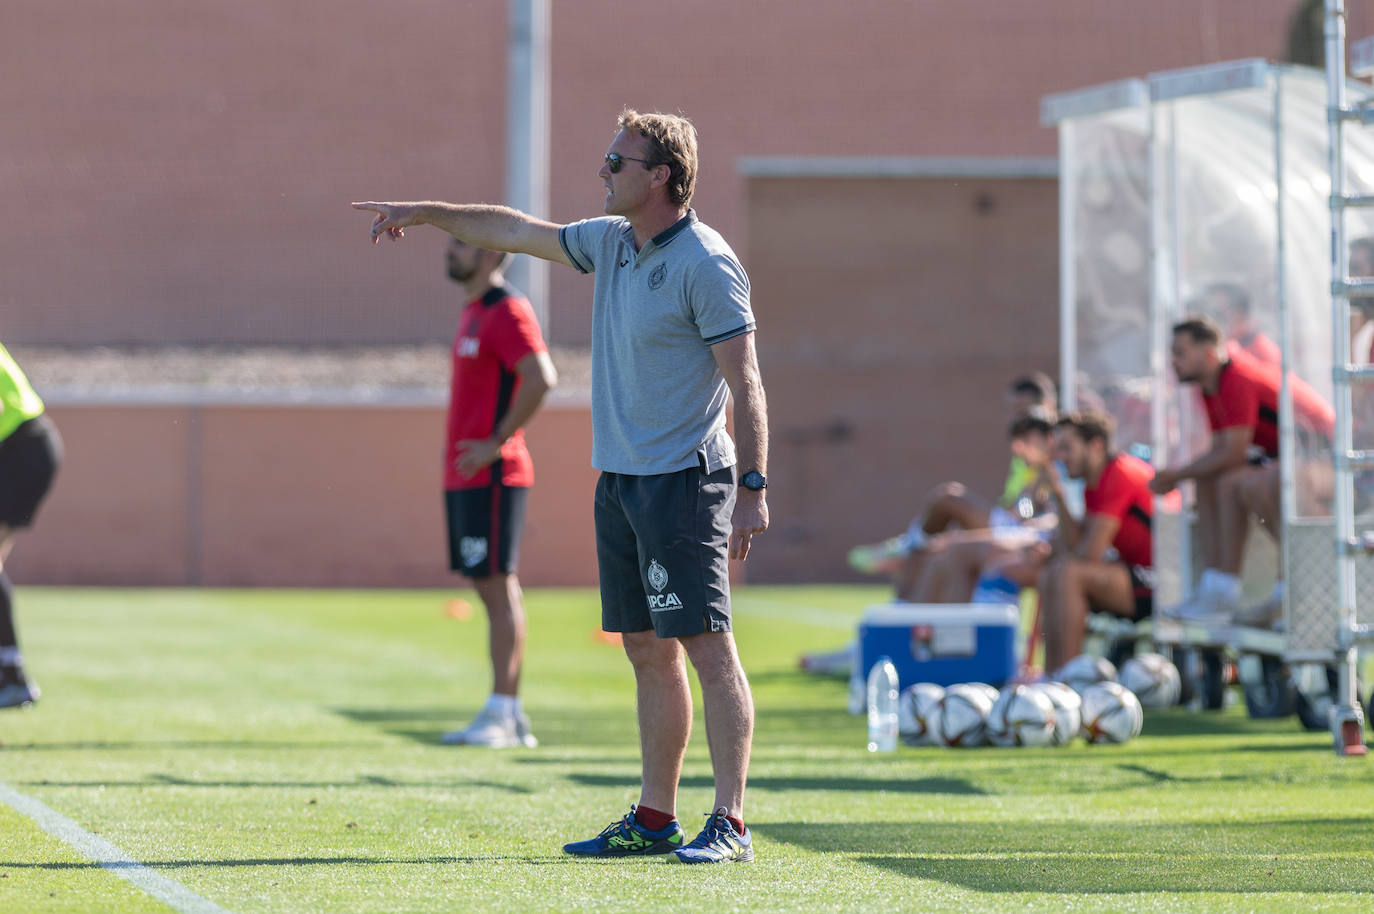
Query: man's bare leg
504, 602
1208, 522
1070, 587
1233, 517
729, 709
664, 703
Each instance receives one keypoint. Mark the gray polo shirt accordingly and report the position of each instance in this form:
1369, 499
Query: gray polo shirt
658, 399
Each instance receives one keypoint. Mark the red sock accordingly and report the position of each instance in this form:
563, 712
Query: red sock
737, 823
652, 819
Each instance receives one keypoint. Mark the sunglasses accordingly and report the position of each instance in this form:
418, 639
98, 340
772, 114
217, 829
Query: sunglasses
615, 161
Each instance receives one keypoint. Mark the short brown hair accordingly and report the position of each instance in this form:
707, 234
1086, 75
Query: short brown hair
1037, 420
672, 142
1200, 328
1090, 425
1365, 244
1036, 385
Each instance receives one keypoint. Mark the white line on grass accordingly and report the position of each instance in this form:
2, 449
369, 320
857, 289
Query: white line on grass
102, 852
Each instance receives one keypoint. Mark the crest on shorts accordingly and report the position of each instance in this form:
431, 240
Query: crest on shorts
658, 575
659, 274
473, 549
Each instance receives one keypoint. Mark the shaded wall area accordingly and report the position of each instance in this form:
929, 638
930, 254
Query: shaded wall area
286, 496
892, 313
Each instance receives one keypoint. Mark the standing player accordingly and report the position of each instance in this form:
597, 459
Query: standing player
501, 374
672, 339
1105, 563
30, 451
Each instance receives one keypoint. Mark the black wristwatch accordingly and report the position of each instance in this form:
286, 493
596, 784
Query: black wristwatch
754, 481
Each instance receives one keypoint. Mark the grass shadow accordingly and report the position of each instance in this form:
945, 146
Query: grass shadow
1290, 855
545, 860
1129, 874
361, 781
188, 744
929, 786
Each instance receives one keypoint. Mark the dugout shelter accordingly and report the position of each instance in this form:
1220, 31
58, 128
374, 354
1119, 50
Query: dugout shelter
1170, 185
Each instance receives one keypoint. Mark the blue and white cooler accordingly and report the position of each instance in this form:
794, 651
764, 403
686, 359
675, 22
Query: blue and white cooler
943, 643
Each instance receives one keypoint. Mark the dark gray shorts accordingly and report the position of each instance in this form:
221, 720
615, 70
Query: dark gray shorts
29, 459
662, 547
484, 527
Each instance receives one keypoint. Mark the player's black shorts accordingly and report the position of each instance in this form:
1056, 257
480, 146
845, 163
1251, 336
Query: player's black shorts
484, 527
662, 547
1142, 588
29, 459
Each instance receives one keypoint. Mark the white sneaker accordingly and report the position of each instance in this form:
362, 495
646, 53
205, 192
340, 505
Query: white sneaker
1261, 615
839, 662
490, 729
522, 730
1204, 606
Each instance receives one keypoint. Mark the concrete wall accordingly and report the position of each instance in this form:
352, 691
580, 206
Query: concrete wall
892, 313
286, 496
179, 170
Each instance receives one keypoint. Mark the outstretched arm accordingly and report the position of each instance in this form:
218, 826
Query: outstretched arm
496, 228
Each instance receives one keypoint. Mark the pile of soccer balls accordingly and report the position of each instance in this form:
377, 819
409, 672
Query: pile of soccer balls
1086, 698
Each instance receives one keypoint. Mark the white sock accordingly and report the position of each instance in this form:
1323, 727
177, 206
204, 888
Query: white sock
1277, 593
504, 705
9, 656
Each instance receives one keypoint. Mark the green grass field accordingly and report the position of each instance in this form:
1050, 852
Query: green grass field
277, 751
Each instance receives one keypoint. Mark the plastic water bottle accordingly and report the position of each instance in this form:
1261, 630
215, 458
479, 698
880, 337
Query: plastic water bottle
882, 706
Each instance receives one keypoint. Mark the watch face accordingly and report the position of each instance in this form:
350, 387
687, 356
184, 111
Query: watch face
753, 480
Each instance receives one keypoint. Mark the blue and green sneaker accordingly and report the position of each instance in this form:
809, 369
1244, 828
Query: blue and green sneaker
717, 843
627, 838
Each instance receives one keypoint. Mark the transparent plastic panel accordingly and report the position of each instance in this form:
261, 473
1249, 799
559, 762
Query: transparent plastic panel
1218, 229
1109, 197
1309, 527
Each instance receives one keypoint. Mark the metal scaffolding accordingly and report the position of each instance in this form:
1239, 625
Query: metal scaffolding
1347, 717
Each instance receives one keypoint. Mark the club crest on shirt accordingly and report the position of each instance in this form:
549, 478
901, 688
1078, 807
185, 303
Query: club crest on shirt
659, 274
658, 575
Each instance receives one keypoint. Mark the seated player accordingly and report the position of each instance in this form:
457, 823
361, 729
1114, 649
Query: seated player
1238, 476
952, 506
1230, 304
953, 562
1104, 563
950, 516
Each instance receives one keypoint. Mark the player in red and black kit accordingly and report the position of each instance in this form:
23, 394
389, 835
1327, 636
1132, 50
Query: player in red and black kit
1231, 305
1238, 476
501, 374
1105, 563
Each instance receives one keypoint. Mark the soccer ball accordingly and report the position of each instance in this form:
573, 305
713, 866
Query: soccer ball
1084, 670
961, 718
1068, 711
915, 711
1111, 713
1021, 716
1153, 679
986, 689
